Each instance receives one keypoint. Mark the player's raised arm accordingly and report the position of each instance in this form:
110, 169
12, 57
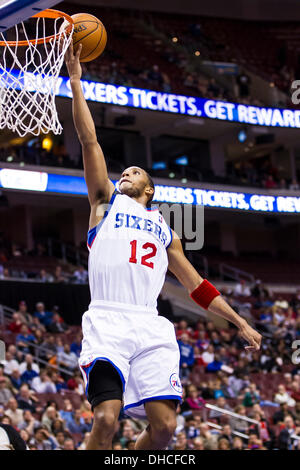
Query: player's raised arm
205, 294
100, 187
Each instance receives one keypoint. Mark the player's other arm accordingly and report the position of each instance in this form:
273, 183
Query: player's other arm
100, 187
187, 275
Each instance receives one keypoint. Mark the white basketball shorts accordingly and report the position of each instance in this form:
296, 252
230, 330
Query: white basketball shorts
142, 347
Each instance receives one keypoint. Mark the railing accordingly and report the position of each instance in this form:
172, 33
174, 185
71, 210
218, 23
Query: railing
230, 413
5, 314
234, 273
236, 415
236, 433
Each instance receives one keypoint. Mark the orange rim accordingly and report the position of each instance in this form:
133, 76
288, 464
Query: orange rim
42, 14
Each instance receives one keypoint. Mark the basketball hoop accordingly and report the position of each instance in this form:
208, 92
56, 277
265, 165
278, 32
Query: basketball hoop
29, 72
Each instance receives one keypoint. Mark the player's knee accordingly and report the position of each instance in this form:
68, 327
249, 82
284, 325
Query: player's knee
165, 428
105, 421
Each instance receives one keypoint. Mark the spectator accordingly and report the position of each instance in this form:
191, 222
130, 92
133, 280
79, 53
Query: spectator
181, 442
198, 443
223, 444
283, 397
44, 276
23, 338
76, 383
59, 275
69, 444
251, 395
50, 348
241, 289
56, 325
15, 325
60, 437
279, 415
43, 315
80, 275
10, 363
186, 356
194, 400
270, 183
215, 365
42, 439
16, 380
24, 315
15, 413
239, 424
49, 415
128, 433
43, 383
183, 328
28, 365
26, 399
76, 345
67, 412
237, 443
77, 424
28, 423
209, 355
83, 444
220, 403
210, 440
227, 434
58, 425
285, 441
5, 392
67, 359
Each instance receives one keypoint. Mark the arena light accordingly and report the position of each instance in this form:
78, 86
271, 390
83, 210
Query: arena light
47, 143
183, 160
159, 166
242, 136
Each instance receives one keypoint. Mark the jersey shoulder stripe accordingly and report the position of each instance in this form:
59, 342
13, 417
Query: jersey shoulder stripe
91, 235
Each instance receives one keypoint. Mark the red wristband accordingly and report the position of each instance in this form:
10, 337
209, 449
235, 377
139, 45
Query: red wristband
204, 294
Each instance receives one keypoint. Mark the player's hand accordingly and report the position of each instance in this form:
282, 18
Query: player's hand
252, 336
73, 63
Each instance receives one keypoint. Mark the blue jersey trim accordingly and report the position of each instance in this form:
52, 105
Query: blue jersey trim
159, 397
88, 367
91, 235
171, 233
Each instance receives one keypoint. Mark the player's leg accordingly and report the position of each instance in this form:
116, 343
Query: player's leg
104, 425
105, 391
161, 415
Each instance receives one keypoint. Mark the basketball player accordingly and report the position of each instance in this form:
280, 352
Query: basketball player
129, 353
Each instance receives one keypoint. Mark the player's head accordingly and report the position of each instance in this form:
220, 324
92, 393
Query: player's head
136, 182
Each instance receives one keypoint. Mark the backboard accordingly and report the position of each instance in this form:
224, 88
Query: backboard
14, 11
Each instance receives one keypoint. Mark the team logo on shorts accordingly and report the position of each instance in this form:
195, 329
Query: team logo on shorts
175, 382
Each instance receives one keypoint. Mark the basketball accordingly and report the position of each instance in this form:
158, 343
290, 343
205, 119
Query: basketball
91, 33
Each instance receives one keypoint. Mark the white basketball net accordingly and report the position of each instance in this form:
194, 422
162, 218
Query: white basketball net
28, 79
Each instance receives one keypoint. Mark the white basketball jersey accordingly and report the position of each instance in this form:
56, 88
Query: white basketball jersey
128, 258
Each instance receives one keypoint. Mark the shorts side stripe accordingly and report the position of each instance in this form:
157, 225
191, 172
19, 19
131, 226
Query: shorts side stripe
88, 367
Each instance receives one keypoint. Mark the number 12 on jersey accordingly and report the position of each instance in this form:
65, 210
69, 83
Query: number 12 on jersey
144, 259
